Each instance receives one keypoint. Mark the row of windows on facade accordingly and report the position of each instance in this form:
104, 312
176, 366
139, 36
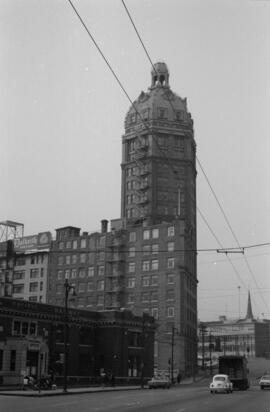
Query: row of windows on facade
165, 171
32, 259
147, 234
138, 211
175, 142
146, 281
34, 273
161, 195
161, 113
146, 266
33, 287
99, 301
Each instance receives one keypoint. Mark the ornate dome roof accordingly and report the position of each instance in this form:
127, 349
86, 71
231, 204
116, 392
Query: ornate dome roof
159, 102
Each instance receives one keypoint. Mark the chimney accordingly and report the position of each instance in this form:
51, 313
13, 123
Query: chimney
104, 226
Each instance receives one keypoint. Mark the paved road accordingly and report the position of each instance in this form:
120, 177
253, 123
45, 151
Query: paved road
183, 399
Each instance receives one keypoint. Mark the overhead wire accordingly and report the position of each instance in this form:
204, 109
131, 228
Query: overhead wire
125, 92
199, 163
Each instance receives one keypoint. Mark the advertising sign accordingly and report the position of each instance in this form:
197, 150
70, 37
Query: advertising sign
39, 241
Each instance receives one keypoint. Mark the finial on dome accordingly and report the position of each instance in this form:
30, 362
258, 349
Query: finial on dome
160, 75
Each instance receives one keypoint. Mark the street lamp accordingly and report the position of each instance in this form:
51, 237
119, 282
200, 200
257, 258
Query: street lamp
68, 288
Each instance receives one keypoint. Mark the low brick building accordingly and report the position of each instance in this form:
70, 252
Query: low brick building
32, 342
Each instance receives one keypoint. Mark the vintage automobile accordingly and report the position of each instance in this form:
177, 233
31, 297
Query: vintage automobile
264, 382
159, 381
221, 383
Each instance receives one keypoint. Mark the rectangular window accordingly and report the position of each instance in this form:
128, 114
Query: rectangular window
131, 298
170, 278
154, 280
132, 237
100, 285
155, 249
59, 289
74, 259
74, 273
146, 234
81, 287
154, 296
100, 300
60, 260
90, 286
170, 294
68, 260
154, 264
81, 273
131, 267
12, 363
145, 297
145, 265
33, 298
41, 286
68, 244
82, 257
83, 243
16, 328
18, 288
19, 274
74, 244
171, 231
145, 281
170, 246
146, 250
67, 273
100, 270
170, 311
34, 273
154, 312
61, 245
155, 233
131, 252
20, 261
33, 287
91, 271
170, 263
131, 283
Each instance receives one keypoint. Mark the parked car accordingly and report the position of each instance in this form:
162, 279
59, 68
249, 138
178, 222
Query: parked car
159, 382
221, 383
265, 381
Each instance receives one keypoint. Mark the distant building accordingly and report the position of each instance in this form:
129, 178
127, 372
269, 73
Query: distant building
248, 336
24, 262
32, 343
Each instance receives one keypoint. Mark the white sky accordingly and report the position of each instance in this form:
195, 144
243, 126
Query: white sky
62, 116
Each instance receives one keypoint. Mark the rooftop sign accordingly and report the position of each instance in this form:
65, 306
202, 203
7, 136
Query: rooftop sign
39, 241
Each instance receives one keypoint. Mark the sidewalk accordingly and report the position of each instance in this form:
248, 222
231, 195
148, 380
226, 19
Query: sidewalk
88, 389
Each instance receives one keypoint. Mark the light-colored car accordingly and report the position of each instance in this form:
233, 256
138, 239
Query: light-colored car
159, 382
265, 381
221, 383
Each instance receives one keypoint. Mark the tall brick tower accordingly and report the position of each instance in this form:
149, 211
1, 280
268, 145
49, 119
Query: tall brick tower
158, 161
158, 208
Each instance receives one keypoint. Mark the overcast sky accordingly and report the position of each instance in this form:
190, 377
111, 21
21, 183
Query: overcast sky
62, 118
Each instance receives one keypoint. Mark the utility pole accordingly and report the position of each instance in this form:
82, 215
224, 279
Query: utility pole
172, 354
143, 350
239, 288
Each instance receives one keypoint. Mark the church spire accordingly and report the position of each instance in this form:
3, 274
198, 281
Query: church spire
249, 314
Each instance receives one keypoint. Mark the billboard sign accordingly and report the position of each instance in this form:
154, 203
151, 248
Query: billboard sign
39, 241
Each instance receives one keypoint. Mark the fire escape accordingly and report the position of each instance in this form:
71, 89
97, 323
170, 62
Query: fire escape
142, 178
115, 284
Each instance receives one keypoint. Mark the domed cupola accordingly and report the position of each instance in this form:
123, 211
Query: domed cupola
160, 75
